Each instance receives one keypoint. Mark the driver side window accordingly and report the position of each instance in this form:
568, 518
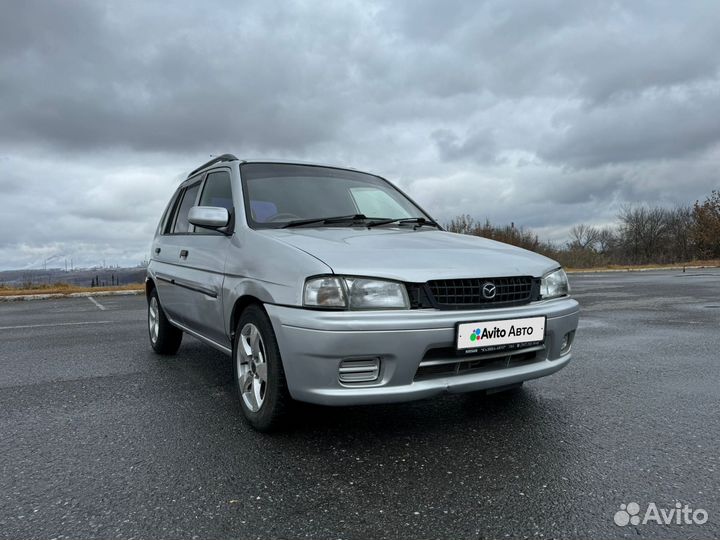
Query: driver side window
217, 191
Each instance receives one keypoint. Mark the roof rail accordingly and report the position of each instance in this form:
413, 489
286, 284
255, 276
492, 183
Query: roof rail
213, 161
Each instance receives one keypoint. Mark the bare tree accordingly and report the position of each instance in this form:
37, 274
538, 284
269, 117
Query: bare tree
642, 231
644, 234
679, 234
583, 237
463, 224
607, 240
706, 225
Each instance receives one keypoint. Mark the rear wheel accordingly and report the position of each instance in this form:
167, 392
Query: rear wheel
259, 374
164, 337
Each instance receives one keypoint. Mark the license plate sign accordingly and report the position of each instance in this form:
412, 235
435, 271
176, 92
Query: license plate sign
508, 334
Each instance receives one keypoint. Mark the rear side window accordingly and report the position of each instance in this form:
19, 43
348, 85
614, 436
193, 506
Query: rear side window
182, 225
167, 219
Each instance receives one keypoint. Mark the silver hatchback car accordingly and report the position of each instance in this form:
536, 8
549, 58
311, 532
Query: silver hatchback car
331, 286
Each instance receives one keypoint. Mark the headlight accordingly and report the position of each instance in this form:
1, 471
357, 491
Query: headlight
554, 284
376, 294
355, 293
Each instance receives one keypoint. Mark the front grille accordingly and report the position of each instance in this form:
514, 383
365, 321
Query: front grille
443, 362
468, 293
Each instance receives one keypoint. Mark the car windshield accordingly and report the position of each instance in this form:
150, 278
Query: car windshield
279, 194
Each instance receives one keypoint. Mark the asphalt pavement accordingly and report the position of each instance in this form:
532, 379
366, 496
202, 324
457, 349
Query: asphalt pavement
101, 438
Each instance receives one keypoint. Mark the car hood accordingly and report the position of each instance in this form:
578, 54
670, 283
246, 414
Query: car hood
404, 254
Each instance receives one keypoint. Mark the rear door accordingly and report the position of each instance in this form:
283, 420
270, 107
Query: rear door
159, 262
167, 252
202, 256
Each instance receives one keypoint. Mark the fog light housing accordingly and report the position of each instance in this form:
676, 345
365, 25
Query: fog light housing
360, 370
566, 343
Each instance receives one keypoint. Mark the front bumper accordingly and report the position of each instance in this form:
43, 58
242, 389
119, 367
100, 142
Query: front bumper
314, 343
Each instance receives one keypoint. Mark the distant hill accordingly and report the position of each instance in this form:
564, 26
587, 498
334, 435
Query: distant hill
84, 277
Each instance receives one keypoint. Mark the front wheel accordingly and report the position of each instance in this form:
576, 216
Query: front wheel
259, 374
164, 337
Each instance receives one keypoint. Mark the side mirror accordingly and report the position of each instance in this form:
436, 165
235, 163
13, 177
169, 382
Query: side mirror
211, 217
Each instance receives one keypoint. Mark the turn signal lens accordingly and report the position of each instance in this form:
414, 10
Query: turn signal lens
324, 292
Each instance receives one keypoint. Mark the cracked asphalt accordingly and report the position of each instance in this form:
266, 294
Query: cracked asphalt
100, 438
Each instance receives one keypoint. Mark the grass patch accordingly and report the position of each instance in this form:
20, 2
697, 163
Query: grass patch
629, 268
63, 288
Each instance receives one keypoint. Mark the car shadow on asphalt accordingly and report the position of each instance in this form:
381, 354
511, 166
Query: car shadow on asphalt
511, 409
440, 413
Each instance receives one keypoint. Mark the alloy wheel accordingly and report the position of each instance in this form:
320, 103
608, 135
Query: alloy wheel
154, 319
251, 367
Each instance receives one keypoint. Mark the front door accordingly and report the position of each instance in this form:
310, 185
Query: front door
202, 256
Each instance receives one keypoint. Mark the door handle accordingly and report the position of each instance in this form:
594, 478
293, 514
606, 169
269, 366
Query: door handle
157, 250
184, 254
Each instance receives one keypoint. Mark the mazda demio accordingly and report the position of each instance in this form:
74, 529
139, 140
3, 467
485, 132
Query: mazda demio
331, 286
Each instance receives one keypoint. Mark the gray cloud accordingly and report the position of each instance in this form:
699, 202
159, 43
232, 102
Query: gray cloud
480, 145
544, 114
661, 125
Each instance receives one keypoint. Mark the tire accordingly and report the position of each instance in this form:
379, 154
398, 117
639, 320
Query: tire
164, 337
259, 375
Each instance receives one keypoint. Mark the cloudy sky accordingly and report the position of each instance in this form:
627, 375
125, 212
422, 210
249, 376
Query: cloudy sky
542, 113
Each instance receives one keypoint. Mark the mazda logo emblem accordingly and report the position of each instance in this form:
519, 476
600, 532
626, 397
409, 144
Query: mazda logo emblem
489, 291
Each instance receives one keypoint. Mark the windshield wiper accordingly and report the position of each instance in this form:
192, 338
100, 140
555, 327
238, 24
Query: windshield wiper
352, 218
418, 222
